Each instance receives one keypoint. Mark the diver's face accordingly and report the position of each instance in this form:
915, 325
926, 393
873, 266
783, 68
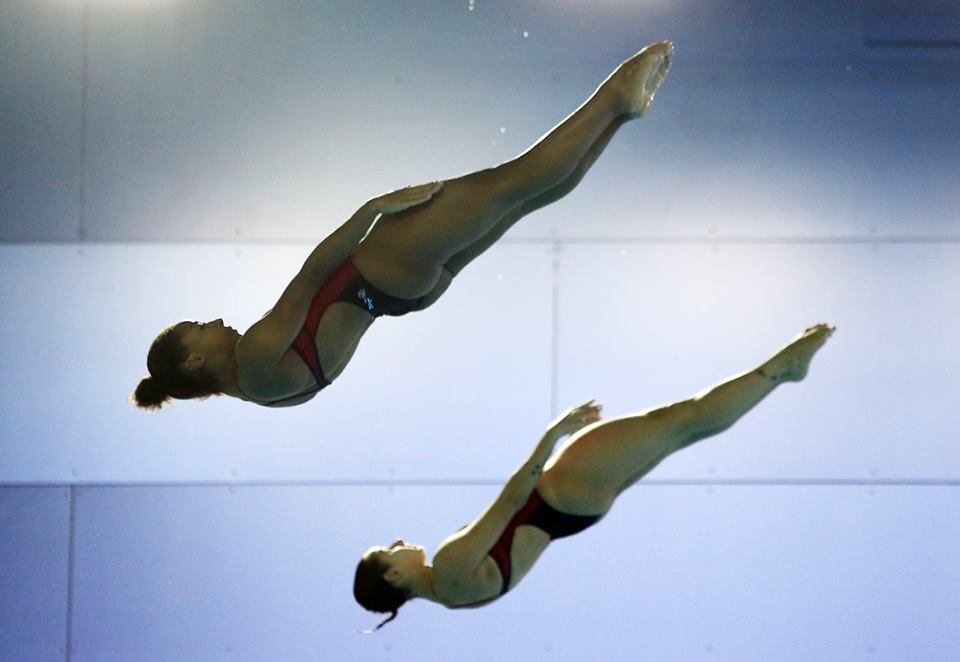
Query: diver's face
400, 554
207, 338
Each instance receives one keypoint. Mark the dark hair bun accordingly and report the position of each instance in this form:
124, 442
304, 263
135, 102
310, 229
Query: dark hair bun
150, 395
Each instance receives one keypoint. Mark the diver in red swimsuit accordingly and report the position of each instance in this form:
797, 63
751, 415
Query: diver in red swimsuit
405, 246
575, 488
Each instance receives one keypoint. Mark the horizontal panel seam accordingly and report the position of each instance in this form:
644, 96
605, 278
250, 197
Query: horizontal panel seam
545, 241
484, 482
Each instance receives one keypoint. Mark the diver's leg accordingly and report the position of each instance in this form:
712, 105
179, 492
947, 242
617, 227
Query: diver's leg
606, 458
456, 263
422, 239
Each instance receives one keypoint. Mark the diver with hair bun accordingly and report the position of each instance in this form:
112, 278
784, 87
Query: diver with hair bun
554, 497
397, 254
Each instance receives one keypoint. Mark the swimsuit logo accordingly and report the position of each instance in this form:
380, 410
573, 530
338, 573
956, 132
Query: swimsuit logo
362, 295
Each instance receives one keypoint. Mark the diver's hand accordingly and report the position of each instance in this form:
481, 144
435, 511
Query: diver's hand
576, 418
404, 198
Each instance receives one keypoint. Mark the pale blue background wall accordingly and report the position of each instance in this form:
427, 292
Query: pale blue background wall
173, 159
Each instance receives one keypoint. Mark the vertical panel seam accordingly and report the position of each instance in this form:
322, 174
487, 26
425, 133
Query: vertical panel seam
555, 328
84, 83
68, 646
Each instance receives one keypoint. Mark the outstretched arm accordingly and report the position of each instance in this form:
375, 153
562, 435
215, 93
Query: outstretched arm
333, 250
521, 485
271, 336
460, 554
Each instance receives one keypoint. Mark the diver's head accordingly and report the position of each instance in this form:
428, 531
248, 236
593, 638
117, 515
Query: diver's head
384, 575
184, 362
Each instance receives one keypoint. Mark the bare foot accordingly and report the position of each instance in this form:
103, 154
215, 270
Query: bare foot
791, 363
638, 78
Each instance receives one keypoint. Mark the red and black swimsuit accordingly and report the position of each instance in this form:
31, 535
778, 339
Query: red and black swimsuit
346, 284
536, 512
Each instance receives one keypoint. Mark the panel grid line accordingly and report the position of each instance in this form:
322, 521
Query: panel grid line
71, 548
695, 240
555, 250
84, 87
486, 482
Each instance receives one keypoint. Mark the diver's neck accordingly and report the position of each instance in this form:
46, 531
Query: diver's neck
422, 585
226, 371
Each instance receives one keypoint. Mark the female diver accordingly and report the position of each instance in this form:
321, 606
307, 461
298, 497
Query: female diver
548, 500
423, 236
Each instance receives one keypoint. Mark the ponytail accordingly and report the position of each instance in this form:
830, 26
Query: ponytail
389, 618
376, 594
